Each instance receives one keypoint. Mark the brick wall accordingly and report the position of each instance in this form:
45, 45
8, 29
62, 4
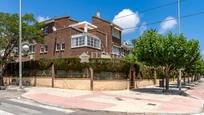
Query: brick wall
83, 83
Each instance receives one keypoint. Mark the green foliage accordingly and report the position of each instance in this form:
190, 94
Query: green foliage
9, 32
173, 51
169, 51
99, 65
113, 65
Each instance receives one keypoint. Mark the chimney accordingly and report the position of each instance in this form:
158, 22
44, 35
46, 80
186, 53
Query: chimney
98, 14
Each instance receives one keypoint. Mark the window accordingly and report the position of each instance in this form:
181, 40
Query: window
93, 42
81, 40
43, 49
63, 46
32, 49
116, 33
115, 50
78, 41
60, 46
85, 40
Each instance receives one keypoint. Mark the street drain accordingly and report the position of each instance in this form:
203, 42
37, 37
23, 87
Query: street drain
152, 104
137, 99
119, 99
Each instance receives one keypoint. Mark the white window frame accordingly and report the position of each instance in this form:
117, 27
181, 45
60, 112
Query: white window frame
89, 41
118, 35
32, 49
75, 38
116, 53
43, 49
60, 48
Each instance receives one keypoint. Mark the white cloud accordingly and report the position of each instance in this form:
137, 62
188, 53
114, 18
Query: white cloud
168, 23
128, 19
143, 28
41, 18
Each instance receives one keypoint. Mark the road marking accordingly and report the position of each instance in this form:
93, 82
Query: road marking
42, 106
5, 113
27, 110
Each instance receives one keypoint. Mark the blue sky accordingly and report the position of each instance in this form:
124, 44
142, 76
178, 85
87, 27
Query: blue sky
192, 27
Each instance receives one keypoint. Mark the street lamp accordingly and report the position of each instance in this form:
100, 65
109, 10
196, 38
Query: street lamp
20, 44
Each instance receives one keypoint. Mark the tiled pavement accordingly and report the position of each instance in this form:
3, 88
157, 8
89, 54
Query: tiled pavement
121, 101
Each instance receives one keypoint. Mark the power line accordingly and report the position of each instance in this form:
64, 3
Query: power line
154, 8
160, 21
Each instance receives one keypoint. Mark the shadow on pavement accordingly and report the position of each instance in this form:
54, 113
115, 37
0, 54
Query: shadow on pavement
159, 90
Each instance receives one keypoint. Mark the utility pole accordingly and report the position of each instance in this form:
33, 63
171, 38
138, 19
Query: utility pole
20, 44
179, 31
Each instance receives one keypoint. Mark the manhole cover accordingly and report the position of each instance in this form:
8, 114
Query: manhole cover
152, 104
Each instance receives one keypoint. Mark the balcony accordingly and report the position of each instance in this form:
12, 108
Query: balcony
85, 40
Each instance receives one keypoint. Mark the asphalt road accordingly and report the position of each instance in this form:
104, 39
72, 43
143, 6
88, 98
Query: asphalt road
11, 104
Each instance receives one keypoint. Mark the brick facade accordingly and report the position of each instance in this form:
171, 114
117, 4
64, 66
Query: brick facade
63, 33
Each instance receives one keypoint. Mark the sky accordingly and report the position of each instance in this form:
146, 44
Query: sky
136, 14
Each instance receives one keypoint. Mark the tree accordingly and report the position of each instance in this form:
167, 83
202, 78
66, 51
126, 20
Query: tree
9, 35
169, 51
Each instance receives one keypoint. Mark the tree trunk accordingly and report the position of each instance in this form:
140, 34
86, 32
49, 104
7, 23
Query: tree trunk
1, 75
195, 78
184, 80
53, 74
167, 83
188, 80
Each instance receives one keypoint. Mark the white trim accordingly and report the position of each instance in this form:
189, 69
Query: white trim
85, 34
117, 28
83, 23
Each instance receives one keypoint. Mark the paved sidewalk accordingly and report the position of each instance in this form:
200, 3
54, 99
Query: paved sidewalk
120, 101
198, 92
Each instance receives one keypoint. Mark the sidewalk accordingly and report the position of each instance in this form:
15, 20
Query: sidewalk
120, 101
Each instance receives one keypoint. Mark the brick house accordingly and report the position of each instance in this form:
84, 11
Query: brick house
66, 37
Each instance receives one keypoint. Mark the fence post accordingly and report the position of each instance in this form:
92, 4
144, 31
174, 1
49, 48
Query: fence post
91, 78
53, 74
155, 77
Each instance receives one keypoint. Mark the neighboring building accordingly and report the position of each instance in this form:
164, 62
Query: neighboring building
66, 37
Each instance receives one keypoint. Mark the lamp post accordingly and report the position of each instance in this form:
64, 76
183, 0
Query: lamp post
20, 44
